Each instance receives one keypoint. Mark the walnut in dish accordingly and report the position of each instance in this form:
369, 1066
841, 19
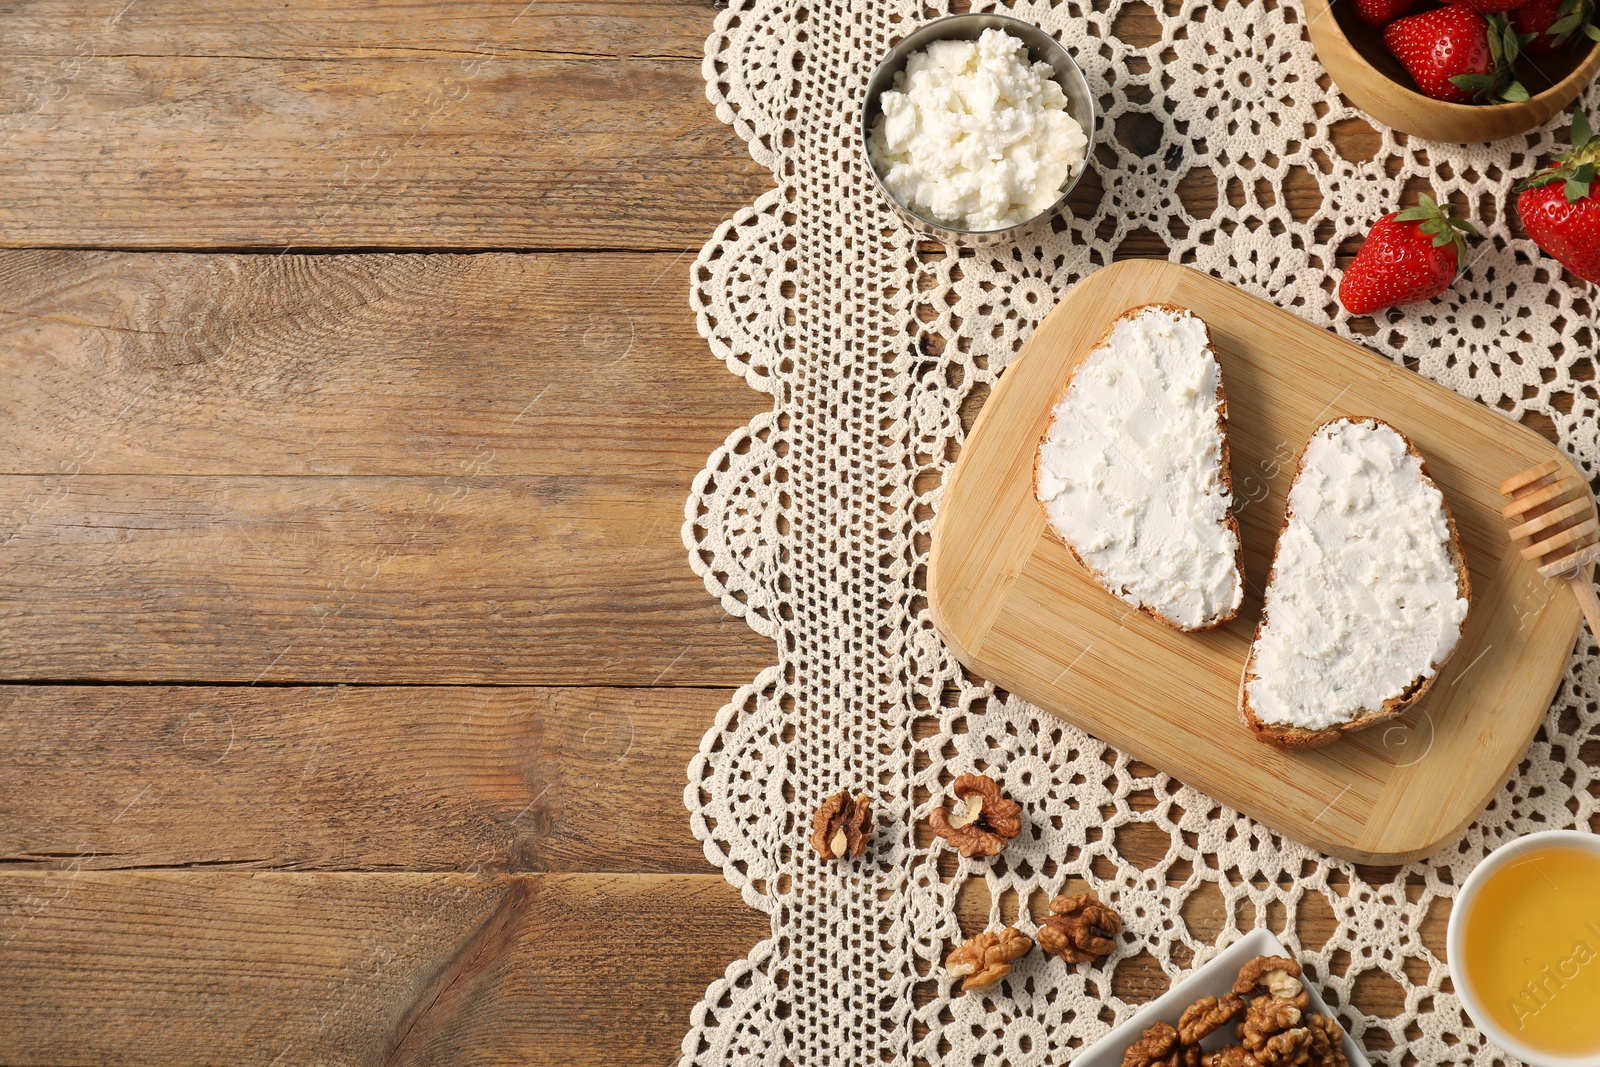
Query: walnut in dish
1157, 1047
1208, 1015
1278, 975
1273, 1025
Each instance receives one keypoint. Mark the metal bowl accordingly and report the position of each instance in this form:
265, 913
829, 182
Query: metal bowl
1041, 48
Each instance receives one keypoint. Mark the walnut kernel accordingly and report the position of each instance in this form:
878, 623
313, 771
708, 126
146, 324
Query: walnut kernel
983, 820
842, 826
1208, 1015
1229, 1056
1156, 1047
1327, 1041
1266, 1018
1079, 928
983, 960
1278, 975
1292, 1048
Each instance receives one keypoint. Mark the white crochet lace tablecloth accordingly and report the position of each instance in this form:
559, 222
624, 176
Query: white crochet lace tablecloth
812, 523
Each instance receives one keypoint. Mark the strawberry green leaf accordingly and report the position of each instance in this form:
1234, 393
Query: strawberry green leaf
1578, 181
1497, 44
1510, 44
1562, 26
1514, 93
1580, 133
1472, 83
1538, 181
1592, 32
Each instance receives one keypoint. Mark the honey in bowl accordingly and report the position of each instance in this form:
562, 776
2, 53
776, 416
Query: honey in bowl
1530, 948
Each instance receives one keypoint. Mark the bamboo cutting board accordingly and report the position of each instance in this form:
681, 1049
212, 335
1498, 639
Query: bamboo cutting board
1019, 610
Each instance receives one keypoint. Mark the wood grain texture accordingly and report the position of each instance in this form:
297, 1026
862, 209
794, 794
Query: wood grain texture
318, 125
1364, 70
476, 578
415, 778
558, 407
661, 29
379, 364
199, 967
1020, 611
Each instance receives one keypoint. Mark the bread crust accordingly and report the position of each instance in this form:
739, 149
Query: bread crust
1299, 737
1227, 471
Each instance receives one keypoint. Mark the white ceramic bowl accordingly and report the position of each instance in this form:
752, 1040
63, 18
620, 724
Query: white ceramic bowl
1470, 1000
1212, 979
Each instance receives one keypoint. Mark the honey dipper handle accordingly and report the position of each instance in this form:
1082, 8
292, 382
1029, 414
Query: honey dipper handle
1583, 589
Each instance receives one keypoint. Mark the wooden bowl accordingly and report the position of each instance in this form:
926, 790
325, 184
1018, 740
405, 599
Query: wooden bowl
1376, 83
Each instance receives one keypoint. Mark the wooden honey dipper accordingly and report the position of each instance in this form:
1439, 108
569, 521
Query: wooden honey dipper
1557, 526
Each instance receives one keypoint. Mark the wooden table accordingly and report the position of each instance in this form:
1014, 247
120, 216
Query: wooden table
352, 659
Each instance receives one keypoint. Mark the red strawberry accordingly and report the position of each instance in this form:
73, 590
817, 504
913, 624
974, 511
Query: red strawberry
1492, 7
1559, 208
1455, 54
1409, 256
1382, 12
1548, 26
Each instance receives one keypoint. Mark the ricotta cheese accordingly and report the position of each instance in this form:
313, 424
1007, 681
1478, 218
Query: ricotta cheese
1363, 600
975, 137
1130, 472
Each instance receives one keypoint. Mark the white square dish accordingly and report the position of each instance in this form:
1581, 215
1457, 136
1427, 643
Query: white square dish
1212, 979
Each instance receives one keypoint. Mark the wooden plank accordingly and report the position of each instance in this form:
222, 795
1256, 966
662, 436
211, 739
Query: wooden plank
672, 29
470, 579
1019, 610
170, 967
350, 778
378, 364
327, 125
569, 396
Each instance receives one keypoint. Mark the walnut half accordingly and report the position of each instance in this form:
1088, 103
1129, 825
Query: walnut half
982, 821
1327, 1041
1278, 975
1208, 1015
983, 960
1079, 928
1272, 1033
1156, 1047
842, 826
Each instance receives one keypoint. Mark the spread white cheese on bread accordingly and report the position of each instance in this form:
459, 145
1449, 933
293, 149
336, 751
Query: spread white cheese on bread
1364, 600
1131, 472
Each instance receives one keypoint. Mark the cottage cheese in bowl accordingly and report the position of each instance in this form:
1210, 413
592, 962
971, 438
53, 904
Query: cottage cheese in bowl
975, 137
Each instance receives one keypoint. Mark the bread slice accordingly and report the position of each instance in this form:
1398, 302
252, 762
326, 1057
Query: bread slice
1133, 472
1368, 594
